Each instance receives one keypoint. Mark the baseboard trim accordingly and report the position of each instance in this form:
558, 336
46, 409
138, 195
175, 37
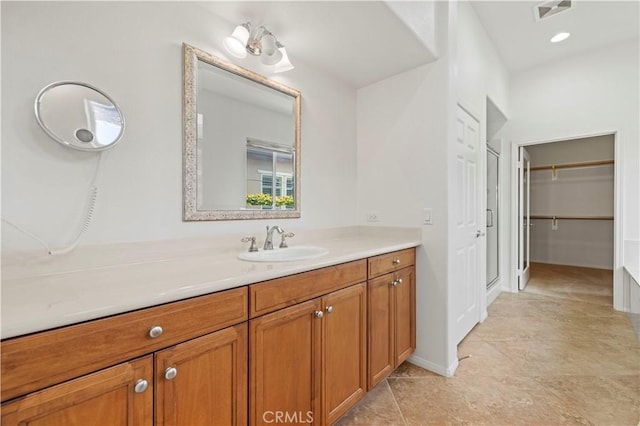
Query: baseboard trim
431, 366
589, 266
493, 293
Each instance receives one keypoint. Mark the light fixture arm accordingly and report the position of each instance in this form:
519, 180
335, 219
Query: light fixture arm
260, 42
254, 44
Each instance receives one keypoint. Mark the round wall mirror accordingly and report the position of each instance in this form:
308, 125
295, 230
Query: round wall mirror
79, 116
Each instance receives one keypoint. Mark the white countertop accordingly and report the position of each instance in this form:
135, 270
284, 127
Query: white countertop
631, 260
40, 292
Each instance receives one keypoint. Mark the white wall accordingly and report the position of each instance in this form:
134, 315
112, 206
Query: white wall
133, 51
227, 123
480, 72
402, 138
405, 124
482, 88
572, 151
482, 78
589, 94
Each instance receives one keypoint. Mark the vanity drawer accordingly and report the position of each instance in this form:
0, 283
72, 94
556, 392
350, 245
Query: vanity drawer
385, 263
39, 360
276, 294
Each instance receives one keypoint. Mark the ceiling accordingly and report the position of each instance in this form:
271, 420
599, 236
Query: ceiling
360, 42
524, 43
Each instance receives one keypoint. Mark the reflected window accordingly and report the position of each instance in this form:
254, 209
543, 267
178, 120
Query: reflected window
104, 120
270, 176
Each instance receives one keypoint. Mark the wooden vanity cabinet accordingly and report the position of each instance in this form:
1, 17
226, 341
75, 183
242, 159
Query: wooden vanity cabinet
391, 313
286, 361
119, 395
308, 360
313, 344
201, 380
344, 351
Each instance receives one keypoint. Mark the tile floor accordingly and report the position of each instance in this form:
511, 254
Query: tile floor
539, 359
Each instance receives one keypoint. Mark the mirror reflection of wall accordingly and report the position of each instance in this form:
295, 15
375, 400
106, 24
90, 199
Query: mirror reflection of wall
229, 115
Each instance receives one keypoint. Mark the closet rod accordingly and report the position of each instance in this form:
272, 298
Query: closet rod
572, 165
573, 217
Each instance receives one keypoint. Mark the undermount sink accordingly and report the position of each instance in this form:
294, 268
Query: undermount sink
289, 254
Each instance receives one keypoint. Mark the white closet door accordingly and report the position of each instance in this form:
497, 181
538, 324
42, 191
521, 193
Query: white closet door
468, 229
524, 217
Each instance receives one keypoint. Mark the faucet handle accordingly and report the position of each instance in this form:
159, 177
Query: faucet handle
253, 247
283, 243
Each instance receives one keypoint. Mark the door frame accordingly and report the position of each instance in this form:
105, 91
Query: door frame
524, 227
618, 302
497, 217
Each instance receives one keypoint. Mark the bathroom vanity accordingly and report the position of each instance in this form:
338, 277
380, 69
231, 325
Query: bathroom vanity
306, 344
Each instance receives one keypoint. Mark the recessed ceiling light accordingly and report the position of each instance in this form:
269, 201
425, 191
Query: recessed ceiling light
559, 37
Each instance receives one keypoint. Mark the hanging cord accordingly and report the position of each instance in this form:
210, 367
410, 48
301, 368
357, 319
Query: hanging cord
91, 204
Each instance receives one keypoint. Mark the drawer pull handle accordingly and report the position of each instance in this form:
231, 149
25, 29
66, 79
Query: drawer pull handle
155, 332
329, 309
170, 373
319, 314
396, 261
141, 386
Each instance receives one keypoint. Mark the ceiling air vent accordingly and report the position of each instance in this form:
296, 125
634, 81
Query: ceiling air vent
550, 8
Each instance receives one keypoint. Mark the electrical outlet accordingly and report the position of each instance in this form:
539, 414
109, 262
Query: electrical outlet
373, 217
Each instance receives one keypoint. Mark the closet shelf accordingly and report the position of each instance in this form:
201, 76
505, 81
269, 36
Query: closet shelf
572, 217
572, 165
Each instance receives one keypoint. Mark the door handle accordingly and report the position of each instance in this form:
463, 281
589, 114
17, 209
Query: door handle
480, 234
490, 224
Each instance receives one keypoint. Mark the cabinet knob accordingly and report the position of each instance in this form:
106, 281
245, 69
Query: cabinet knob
170, 373
329, 309
396, 261
156, 331
141, 386
319, 314
399, 281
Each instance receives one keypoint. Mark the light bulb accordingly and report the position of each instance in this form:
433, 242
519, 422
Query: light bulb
237, 42
271, 55
560, 37
284, 64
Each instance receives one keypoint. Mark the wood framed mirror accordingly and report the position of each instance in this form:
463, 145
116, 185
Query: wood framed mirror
241, 148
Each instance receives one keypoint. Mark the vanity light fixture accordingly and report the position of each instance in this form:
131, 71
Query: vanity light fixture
560, 37
260, 42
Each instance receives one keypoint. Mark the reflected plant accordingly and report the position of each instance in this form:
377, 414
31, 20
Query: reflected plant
259, 199
284, 200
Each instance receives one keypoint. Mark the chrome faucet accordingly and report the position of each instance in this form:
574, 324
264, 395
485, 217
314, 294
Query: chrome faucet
268, 242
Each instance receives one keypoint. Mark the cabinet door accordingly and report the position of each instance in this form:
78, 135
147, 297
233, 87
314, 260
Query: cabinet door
405, 314
208, 383
344, 350
285, 365
381, 311
107, 397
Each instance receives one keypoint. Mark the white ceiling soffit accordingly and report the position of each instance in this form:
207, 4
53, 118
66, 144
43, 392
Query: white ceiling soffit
359, 42
523, 42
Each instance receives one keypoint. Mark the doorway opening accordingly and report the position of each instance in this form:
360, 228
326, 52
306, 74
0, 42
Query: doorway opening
566, 210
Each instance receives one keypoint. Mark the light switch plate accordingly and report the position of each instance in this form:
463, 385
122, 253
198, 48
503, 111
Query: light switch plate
427, 216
